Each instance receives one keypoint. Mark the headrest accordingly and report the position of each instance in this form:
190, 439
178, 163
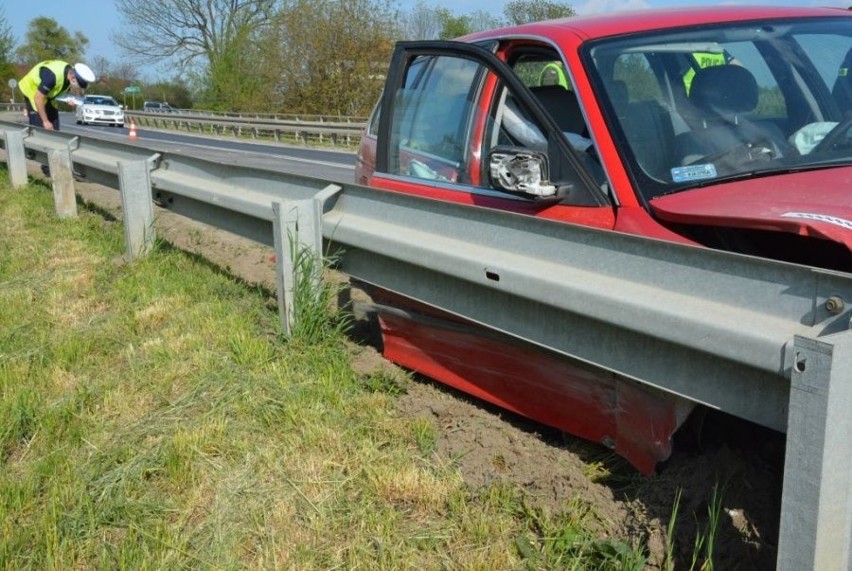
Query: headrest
562, 105
725, 89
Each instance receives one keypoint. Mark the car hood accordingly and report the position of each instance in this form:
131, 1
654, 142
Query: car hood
815, 203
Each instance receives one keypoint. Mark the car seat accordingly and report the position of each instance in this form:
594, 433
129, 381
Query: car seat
721, 97
563, 106
647, 126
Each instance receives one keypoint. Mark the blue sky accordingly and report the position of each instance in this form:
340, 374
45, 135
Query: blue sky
99, 20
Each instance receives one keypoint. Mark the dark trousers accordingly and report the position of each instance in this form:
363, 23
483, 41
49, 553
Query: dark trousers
35, 118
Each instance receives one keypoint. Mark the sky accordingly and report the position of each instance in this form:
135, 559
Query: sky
99, 20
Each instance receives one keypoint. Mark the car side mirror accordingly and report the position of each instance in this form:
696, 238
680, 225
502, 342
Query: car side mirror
520, 170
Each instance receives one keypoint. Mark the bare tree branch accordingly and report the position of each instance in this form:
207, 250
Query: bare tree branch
185, 31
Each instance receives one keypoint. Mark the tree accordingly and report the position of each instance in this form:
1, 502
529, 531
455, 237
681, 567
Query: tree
328, 56
423, 22
482, 20
453, 26
525, 11
215, 41
185, 32
7, 45
426, 22
7, 40
46, 39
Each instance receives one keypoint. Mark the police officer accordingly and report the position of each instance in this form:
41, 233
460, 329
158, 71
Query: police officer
553, 74
702, 60
47, 81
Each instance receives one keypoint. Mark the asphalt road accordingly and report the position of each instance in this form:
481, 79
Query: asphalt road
337, 166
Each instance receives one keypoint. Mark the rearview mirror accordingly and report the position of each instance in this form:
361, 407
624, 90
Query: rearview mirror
520, 170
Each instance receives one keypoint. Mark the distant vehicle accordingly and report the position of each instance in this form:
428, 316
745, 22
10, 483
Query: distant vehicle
725, 127
157, 107
100, 110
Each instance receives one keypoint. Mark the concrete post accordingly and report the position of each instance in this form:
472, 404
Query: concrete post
816, 508
62, 179
297, 227
15, 157
135, 184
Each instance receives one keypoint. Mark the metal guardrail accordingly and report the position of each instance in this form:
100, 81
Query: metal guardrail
304, 129
768, 341
12, 106
322, 131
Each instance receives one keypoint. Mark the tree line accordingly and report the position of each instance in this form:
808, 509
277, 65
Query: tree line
323, 57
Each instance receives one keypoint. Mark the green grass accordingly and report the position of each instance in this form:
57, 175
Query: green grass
705, 539
154, 417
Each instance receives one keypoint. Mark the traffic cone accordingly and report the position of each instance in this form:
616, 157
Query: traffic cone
132, 133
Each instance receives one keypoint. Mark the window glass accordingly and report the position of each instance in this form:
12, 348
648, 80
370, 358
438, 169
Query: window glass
633, 76
699, 105
373, 125
433, 113
832, 56
550, 83
770, 98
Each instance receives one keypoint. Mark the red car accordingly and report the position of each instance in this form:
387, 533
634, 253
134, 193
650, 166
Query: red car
726, 127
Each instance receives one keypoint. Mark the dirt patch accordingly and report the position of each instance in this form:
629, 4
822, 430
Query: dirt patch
735, 460
488, 445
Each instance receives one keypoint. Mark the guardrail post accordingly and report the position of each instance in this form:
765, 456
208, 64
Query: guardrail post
15, 157
134, 180
816, 508
285, 220
62, 179
297, 228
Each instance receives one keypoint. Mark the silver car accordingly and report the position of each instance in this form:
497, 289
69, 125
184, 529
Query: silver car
100, 110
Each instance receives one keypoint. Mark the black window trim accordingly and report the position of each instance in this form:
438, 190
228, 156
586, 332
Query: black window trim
584, 189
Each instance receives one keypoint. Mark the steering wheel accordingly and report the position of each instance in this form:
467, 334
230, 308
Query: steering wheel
837, 134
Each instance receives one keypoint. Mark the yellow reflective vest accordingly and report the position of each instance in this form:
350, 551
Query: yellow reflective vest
30, 82
703, 59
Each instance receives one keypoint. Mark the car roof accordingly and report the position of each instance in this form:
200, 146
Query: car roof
595, 26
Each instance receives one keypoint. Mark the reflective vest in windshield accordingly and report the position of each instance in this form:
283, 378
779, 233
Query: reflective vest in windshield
30, 82
704, 59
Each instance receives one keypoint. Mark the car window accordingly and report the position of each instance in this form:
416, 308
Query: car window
433, 111
831, 58
699, 105
550, 83
100, 100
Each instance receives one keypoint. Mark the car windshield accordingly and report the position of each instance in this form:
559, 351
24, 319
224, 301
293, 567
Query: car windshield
100, 100
703, 105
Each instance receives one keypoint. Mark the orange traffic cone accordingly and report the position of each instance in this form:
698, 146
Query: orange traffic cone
132, 133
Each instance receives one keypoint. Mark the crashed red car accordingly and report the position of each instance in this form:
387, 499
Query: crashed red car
725, 127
